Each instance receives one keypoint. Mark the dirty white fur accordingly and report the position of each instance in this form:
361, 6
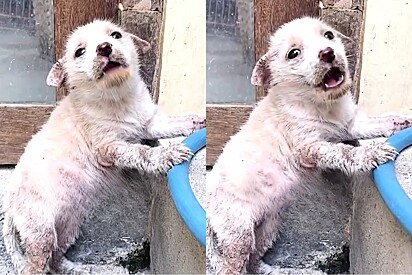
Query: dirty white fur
91, 146
296, 131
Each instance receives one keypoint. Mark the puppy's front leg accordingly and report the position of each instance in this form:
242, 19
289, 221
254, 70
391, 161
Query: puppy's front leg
142, 157
163, 126
347, 158
373, 127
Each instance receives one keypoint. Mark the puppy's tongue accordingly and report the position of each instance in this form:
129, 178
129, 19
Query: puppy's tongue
333, 78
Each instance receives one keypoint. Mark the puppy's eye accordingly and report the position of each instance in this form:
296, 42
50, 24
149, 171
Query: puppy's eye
329, 35
79, 52
293, 53
116, 35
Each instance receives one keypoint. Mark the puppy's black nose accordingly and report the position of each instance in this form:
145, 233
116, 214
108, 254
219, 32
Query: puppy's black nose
327, 55
104, 49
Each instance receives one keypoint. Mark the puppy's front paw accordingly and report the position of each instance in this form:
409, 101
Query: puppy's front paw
199, 122
305, 158
378, 153
73, 268
175, 154
400, 123
194, 123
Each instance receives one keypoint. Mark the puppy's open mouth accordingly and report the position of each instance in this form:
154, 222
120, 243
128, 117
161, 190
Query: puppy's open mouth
113, 73
111, 65
333, 78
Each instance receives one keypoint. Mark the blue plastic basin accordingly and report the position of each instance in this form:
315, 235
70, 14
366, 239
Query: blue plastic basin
189, 208
394, 196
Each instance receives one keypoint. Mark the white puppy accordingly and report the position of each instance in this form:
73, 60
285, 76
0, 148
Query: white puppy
296, 131
89, 147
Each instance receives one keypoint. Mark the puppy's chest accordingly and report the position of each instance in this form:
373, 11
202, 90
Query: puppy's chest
335, 126
133, 130
334, 132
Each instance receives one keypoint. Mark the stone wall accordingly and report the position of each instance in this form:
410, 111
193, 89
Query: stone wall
347, 16
144, 19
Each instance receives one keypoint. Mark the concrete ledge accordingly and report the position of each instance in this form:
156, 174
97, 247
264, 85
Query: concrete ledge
173, 248
379, 245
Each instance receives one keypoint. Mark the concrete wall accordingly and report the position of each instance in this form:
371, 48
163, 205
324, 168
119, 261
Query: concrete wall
173, 249
386, 84
182, 77
378, 244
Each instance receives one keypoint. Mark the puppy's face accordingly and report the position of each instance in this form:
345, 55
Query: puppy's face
100, 54
308, 56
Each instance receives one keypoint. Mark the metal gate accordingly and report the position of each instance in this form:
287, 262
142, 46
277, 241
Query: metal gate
17, 14
221, 17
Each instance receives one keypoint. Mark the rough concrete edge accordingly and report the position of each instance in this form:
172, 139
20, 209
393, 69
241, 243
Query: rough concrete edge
173, 248
379, 245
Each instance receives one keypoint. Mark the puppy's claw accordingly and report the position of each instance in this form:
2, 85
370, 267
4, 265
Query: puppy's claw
194, 123
176, 154
380, 153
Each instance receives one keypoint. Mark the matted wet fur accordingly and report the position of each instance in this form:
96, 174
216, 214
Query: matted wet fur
293, 134
93, 141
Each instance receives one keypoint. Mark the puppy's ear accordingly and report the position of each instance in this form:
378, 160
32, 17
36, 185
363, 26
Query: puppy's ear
140, 44
262, 75
56, 76
344, 37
